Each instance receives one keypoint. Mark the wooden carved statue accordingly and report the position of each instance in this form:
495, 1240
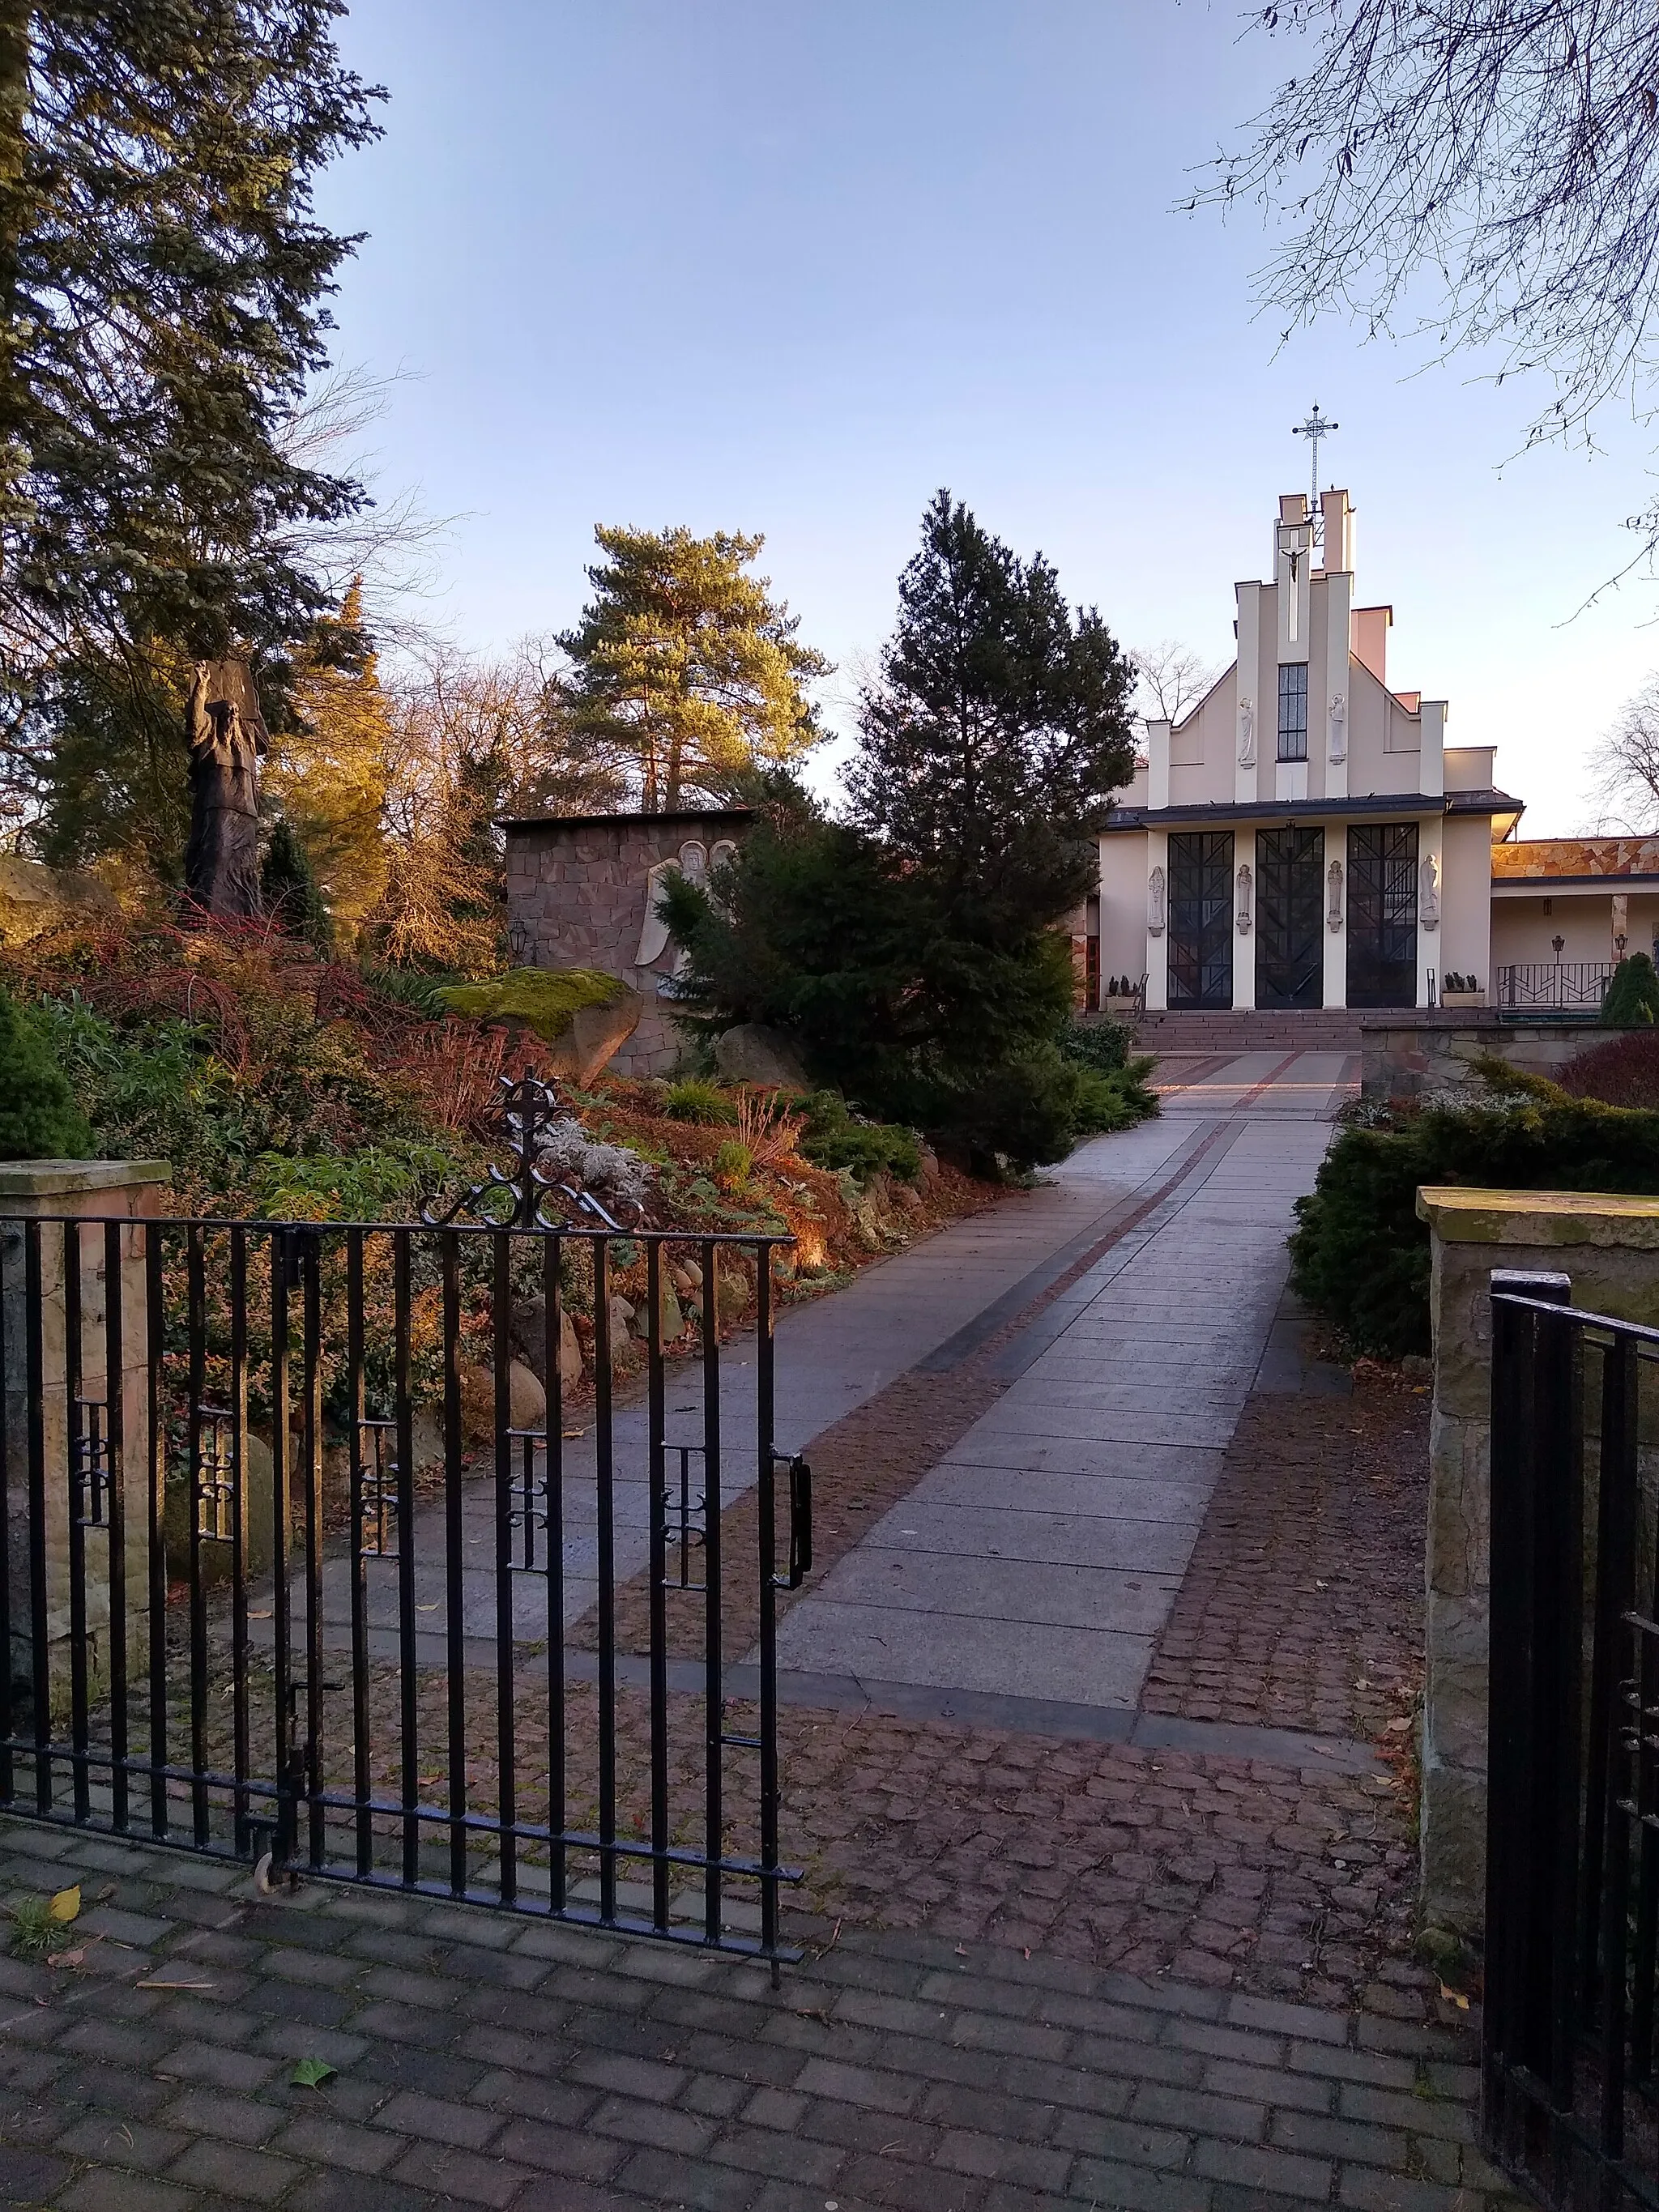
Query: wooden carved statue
228, 736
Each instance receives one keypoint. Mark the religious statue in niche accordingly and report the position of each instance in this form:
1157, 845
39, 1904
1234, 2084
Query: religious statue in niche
1154, 902
1247, 734
1338, 747
227, 737
1333, 894
1428, 899
1244, 888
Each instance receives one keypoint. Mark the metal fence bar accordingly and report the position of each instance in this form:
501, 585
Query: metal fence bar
241, 1528
409, 1679
35, 1415
605, 1476
506, 1713
357, 1415
553, 1352
81, 1475
455, 1553
155, 1515
713, 1656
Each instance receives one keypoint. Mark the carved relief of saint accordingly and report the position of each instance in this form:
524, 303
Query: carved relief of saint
1155, 894
1333, 894
1245, 889
1339, 749
1247, 734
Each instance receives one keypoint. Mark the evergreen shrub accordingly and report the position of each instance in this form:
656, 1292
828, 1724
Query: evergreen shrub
834, 1138
1103, 1046
39, 1119
1631, 998
1360, 1255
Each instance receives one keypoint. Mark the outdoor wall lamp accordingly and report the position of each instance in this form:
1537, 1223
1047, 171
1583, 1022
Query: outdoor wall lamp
1559, 943
1620, 942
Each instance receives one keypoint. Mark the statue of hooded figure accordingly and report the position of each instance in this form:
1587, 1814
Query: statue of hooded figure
228, 738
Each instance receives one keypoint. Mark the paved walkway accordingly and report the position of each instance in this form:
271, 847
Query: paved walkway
482, 2060
1040, 1557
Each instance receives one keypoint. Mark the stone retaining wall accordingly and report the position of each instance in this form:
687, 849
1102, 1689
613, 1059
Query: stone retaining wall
1401, 1061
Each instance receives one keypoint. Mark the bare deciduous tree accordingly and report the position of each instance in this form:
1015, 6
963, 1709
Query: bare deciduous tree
1169, 677
1502, 155
1625, 768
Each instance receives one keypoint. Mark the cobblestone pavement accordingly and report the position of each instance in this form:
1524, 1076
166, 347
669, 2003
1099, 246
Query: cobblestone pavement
482, 2060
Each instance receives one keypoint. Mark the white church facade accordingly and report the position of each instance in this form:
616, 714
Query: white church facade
1305, 837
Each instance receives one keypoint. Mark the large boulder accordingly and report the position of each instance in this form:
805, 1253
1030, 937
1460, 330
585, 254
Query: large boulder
752, 1053
596, 1035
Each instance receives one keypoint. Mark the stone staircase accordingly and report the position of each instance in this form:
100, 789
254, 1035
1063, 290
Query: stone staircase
1333, 1029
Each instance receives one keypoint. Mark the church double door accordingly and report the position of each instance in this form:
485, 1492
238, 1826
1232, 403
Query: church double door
1290, 948
1202, 918
1382, 914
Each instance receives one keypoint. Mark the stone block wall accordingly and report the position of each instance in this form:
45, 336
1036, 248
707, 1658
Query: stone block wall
1609, 1247
1409, 1060
576, 890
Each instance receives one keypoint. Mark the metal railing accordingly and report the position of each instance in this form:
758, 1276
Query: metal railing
306, 1558
1570, 2092
1555, 986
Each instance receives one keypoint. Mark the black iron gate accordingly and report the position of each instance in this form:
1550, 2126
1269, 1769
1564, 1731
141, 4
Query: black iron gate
1570, 2095
1382, 914
316, 1554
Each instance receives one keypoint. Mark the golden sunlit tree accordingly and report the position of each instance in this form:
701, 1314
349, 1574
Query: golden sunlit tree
330, 775
685, 665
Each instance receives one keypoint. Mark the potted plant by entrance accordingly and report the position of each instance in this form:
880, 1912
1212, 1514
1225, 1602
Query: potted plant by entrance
1462, 990
1122, 997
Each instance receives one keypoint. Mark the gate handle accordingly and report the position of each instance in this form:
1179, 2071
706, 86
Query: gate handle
800, 1524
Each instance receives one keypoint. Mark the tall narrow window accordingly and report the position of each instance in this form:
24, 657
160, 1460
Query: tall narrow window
1293, 711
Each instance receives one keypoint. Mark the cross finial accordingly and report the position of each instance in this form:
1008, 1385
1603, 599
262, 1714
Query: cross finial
1313, 430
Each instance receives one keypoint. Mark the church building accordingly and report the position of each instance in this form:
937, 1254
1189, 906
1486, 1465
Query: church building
1305, 838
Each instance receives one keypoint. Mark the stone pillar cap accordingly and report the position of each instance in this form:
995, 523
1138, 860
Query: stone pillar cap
54, 1178
1459, 1216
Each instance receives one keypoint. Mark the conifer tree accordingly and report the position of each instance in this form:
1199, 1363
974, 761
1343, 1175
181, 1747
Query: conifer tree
999, 725
684, 663
39, 1119
331, 772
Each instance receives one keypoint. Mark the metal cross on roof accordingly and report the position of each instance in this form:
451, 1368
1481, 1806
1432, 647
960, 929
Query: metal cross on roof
1313, 430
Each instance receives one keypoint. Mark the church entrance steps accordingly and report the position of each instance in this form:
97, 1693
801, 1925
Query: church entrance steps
1333, 1030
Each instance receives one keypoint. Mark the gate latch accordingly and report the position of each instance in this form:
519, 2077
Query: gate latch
800, 1523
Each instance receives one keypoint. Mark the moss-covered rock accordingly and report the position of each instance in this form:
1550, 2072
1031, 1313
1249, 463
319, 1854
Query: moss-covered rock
546, 999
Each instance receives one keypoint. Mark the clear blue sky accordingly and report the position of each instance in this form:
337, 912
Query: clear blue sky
789, 267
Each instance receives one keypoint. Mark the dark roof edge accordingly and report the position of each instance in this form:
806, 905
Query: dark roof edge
1546, 883
625, 821
1279, 810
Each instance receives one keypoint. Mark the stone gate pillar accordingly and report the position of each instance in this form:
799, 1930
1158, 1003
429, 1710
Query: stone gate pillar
47, 1409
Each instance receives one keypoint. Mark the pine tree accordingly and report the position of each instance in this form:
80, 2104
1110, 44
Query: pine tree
999, 725
331, 771
686, 664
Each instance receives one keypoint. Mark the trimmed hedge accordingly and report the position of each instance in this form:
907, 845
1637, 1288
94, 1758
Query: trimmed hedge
1360, 1255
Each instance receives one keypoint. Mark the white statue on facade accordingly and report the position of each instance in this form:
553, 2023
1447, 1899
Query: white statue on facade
1339, 750
1428, 903
1333, 894
1244, 887
1247, 734
1155, 889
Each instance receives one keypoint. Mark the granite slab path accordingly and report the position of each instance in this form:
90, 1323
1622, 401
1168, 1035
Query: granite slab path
1040, 1557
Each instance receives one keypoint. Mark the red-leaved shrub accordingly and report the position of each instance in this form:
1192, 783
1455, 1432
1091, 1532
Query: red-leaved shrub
1624, 1071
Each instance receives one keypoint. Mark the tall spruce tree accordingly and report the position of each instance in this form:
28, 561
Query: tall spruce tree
163, 291
1000, 724
684, 663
